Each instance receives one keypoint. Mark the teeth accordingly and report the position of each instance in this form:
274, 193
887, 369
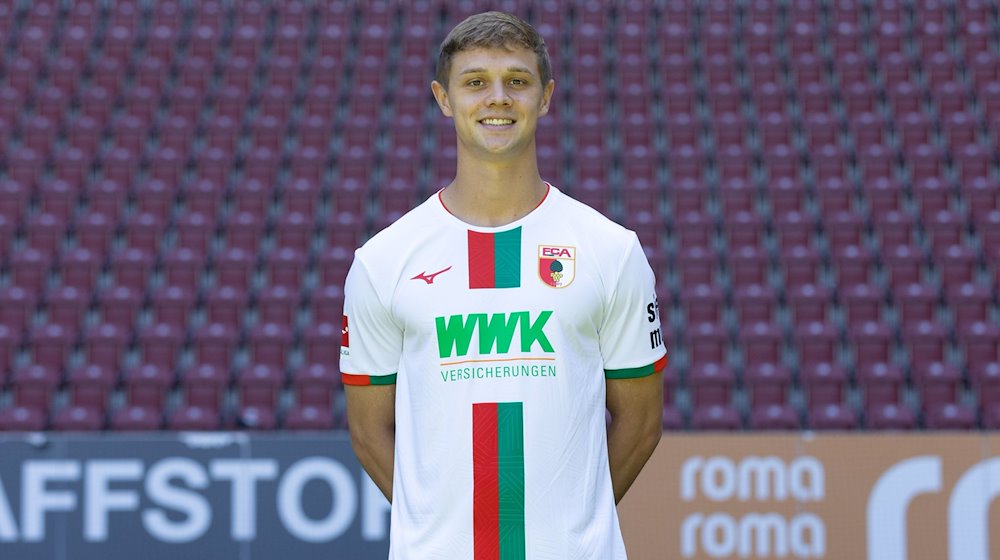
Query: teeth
498, 122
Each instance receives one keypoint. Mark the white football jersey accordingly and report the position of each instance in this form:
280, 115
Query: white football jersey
499, 341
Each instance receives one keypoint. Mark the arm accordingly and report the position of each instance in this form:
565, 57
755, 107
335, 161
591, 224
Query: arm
371, 416
636, 407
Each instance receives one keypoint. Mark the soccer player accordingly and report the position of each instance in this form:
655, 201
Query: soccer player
488, 331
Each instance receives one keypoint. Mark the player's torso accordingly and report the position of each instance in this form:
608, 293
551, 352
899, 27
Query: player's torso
497, 306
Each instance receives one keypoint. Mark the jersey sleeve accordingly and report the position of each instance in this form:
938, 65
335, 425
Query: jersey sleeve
630, 338
371, 340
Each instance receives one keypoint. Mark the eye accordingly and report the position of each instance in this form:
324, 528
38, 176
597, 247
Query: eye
475, 82
518, 82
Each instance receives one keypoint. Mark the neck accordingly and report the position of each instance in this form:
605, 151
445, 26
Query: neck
494, 194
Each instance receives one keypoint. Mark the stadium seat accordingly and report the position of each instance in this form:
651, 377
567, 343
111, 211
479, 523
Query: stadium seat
816, 343
926, 342
950, 416
716, 417
172, 305
145, 391
105, 345
890, 416
829, 417
225, 305
270, 344
702, 303
160, 345
916, 303
327, 304
969, 303
286, 267
697, 266
980, 342
872, 343
808, 303
985, 381
89, 387
258, 387
774, 417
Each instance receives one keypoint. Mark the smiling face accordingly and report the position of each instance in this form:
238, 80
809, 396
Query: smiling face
495, 96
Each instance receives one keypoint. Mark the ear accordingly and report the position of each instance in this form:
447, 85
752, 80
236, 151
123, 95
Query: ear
441, 96
547, 97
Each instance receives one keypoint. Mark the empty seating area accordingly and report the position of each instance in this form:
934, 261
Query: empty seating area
183, 183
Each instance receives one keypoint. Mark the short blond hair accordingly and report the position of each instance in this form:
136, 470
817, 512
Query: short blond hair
492, 30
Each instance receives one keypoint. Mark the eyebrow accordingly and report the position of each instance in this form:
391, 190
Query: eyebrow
518, 69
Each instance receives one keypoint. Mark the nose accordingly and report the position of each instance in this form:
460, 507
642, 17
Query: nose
499, 95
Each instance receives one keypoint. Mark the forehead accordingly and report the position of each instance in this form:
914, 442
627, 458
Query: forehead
494, 59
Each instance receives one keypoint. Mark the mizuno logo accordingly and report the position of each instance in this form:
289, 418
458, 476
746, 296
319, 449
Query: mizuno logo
429, 278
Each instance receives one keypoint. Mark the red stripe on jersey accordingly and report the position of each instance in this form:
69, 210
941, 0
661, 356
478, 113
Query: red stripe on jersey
352, 379
660, 364
482, 260
486, 482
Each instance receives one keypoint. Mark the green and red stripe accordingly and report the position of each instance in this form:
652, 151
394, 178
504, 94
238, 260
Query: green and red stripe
495, 259
641, 371
498, 481
365, 380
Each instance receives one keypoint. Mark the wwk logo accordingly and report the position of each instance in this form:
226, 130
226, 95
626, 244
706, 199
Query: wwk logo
493, 333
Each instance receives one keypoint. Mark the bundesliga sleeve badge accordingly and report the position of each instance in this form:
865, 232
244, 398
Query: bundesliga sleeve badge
556, 265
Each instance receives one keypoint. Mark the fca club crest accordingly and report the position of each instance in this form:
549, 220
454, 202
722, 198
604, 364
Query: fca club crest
556, 265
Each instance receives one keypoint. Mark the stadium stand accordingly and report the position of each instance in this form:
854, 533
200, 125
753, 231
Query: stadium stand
815, 182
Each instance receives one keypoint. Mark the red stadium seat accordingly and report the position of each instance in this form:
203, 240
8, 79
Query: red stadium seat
697, 265
853, 265
926, 342
277, 304
333, 264
969, 303
808, 303
286, 267
980, 342
872, 343
957, 265
66, 306
761, 343
270, 344
951, 416
702, 303
831, 417
33, 388
321, 344
774, 417
160, 345
824, 384
327, 304
904, 264
890, 417
754, 303
716, 417
145, 389
817, 344
172, 305
707, 343
985, 380
258, 387
768, 385
225, 305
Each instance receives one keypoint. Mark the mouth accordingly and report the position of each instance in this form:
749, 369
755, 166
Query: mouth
497, 122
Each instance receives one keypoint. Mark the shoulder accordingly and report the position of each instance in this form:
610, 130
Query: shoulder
600, 229
405, 233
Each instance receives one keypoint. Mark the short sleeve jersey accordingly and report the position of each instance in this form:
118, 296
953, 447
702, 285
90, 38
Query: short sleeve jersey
500, 341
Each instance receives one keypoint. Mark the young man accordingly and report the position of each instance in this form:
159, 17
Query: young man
487, 330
